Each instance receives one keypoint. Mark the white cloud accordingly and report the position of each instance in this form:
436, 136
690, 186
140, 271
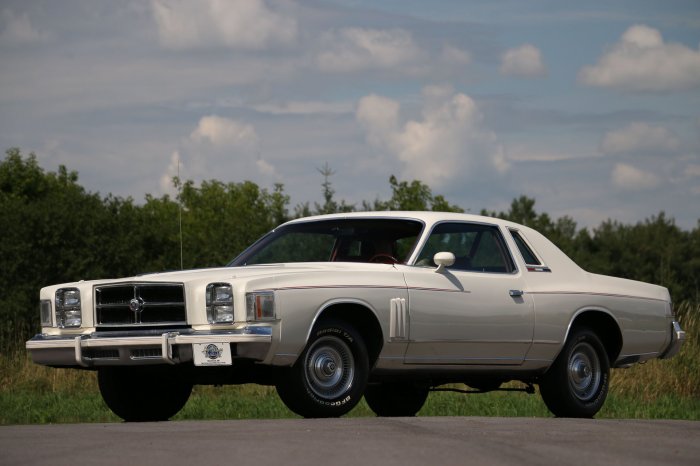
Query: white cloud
219, 148
449, 142
692, 170
17, 29
629, 178
315, 107
356, 49
639, 137
642, 61
223, 132
380, 118
524, 61
266, 168
454, 56
522, 153
238, 24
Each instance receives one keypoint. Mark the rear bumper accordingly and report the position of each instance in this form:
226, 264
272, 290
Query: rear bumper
135, 348
677, 339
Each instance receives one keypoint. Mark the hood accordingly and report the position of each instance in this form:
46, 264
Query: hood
233, 273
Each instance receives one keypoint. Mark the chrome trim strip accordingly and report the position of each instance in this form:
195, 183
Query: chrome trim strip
441, 290
167, 347
320, 287
591, 293
380, 287
456, 360
79, 351
524, 342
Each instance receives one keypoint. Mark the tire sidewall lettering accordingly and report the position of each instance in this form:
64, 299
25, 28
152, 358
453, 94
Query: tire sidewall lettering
330, 404
337, 332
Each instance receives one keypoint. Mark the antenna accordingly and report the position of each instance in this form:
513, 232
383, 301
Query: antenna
179, 199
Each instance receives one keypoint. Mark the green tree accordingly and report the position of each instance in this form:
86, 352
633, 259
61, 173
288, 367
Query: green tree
654, 251
691, 266
561, 232
329, 206
52, 231
414, 196
220, 219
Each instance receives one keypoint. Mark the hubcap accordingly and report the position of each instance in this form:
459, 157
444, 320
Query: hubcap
584, 372
329, 368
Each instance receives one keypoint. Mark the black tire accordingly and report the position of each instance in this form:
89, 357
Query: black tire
143, 394
330, 376
576, 385
396, 399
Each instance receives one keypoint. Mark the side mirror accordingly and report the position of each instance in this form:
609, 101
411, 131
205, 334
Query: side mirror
443, 259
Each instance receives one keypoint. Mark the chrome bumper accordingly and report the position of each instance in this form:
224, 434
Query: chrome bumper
677, 339
135, 348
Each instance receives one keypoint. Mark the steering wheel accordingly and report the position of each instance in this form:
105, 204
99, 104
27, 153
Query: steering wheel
383, 258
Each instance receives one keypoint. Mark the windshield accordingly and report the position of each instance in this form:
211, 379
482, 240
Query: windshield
388, 241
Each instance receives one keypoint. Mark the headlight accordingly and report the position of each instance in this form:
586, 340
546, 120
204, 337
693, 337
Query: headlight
260, 305
219, 303
68, 310
45, 313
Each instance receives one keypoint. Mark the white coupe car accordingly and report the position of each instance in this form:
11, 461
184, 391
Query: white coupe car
385, 305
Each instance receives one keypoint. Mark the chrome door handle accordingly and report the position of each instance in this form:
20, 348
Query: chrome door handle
516, 293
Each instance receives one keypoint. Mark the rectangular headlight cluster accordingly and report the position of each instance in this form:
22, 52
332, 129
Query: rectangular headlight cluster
68, 308
260, 305
219, 303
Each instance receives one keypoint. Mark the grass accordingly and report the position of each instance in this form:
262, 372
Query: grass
668, 389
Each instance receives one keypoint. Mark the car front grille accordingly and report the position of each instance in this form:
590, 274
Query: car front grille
140, 304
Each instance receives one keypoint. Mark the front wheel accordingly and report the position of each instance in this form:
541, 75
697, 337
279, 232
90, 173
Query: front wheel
145, 393
576, 385
329, 378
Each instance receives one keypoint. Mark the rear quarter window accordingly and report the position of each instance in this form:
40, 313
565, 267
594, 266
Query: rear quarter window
528, 255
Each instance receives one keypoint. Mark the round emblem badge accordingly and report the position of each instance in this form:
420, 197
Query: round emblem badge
212, 351
135, 305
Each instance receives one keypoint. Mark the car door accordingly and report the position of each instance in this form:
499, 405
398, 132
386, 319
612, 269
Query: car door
473, 312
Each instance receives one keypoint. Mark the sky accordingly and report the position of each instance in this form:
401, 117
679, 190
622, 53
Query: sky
591, 108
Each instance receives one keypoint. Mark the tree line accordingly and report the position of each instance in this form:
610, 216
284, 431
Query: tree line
52, 231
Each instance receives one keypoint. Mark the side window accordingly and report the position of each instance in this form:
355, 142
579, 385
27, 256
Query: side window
477, 248
529, 256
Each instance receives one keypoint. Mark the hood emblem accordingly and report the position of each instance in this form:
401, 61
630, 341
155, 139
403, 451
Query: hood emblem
136, 305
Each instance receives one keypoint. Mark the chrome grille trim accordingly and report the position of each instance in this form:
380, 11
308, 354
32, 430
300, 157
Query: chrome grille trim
143, 304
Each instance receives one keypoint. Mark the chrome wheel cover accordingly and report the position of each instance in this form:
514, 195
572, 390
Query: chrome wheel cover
584, 372
329, 368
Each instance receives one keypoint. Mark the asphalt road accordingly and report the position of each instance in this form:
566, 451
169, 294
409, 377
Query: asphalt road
357, 442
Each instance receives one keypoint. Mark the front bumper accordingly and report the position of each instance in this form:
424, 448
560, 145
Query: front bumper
677, 339
133, 348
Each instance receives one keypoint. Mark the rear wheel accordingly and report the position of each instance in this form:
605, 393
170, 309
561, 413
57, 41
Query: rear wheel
329, 378
147, 393
577, 383
395, 399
